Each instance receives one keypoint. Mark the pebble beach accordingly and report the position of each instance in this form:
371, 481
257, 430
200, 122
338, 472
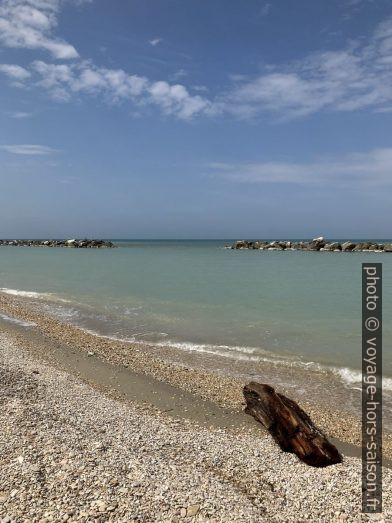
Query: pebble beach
71, 453
73, 449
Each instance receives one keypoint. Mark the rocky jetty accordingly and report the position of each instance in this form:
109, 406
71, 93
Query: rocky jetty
317, 244
76, 244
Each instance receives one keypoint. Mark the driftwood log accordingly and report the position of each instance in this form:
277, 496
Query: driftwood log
289, 425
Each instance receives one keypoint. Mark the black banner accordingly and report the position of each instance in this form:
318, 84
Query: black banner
371, 388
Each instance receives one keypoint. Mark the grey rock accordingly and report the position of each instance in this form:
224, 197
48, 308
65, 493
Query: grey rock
348, 246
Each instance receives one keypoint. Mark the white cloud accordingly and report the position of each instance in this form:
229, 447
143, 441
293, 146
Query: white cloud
14, 71
175, 99
354, 78
66, 80
29, 24
155, 41
181, 73
371, 168
27, 149
19, 115
200, 88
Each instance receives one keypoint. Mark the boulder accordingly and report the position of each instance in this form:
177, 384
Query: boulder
388, 247
348, 246
315, 245
241, 244
333, 246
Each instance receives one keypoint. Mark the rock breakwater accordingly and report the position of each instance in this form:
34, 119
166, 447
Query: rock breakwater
76, 244
317, 244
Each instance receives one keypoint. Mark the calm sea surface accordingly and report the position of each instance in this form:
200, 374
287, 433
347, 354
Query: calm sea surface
197, 296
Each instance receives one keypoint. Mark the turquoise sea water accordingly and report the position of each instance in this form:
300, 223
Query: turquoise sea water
196, 295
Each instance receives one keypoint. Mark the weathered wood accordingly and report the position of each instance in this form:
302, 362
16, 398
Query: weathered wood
289, 425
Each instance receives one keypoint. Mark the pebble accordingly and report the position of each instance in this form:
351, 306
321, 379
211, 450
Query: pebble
192, 510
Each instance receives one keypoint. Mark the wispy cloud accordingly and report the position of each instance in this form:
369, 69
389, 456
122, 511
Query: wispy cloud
64, 81
354, 78
264, 11
181, 73
371, 169
28, 149
19, 115
155, 41
29, 24
16, 72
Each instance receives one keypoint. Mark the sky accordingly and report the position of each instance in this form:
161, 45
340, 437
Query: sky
190, 119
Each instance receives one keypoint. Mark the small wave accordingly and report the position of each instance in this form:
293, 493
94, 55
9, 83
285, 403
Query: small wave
61, 312
353, 377
24, 294
23, 323
205, 347
33, 294
126, 311
227, 351
349, 377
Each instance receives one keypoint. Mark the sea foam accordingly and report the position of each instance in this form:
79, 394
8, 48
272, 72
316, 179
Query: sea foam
10, 319
33, 294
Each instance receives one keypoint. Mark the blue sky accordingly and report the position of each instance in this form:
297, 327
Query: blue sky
189, 119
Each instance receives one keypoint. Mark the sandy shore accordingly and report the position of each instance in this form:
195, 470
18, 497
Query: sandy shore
69, 452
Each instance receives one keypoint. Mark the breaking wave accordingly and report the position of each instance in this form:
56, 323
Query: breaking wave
10, 319
33, 294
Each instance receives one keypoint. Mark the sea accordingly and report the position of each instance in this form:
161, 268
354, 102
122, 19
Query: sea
288, 307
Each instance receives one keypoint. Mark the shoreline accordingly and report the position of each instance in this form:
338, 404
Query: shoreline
124, 384
96, 431
180, 370
71, 453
